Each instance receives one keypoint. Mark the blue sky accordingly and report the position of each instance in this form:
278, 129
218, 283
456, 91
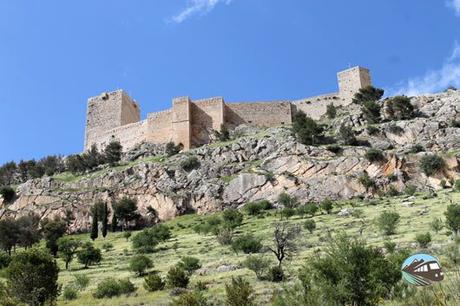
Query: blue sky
55, 54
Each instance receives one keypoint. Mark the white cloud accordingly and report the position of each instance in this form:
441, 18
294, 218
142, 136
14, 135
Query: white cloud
454, 4
197, 7
436, 80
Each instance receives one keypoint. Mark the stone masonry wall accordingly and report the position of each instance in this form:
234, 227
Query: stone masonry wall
316, 107
263, 114
207, 116
159, 127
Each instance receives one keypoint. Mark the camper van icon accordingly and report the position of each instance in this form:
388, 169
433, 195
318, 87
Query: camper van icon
422, 270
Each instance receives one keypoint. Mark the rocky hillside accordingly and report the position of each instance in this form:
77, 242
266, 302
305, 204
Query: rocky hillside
261, 164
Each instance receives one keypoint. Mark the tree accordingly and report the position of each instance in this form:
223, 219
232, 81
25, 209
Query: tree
177, 278
368, 93
432, 164
51, 165
350, 273
306, 129
239, 292
7, 172
125, 210
284, 237
258, 264
9, 234
310, 225
92, 158
32, 277
327, 205
52, 231
75, 164
145, 241
232, 217
189, 264
287, 201
8, 194
347, 135
453, 218
387, 222
104, 220
29, 232
139, 264
399, 108
89, 255
371, 111
331, 111
67, 248
247, 243
112, 153
94, 224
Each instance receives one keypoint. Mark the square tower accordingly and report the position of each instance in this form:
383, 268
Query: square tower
351, 81
108, 111
181, 122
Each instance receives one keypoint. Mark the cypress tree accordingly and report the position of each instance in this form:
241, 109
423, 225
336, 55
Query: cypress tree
104, 220
94, 225
114, 222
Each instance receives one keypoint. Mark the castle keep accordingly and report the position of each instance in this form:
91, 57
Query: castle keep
115, 116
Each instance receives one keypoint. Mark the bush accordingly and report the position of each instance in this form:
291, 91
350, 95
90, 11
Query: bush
239, 292
390, 246
258, 264
347, 135
453, 218
177, 278
110, 287
8, 194
399, 108
287, 201
127, 235
276, 274
189, 264
171, 149
457, 186
5, 260
368, 93
334, 148
112, 153
436, 225
81, 281
374, 155
256, 208
153, 282
417, 148
107, 246
139, 264
146, 240
372, 130
306, 130
247, 244
387, 222
190, 163
33, 277
331, 111
192, 298
70, 293
309, 209
224, 133
392, 191
423, 239
232, 217
395, 129
327, 206
366, 181
89, 255
410, 190
432, 164
288, 212
225, 236
309, 225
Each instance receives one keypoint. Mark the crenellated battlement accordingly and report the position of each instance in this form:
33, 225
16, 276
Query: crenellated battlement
191, 123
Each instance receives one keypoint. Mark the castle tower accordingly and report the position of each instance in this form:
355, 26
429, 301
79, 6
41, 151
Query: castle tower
108, 111
181, 122
351, 81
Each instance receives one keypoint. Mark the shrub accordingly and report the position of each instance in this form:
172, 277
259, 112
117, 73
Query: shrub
287, 201
308, 209
5, 260
112, 153
423, 239
307, 131
436, 225
276, 274
189, 264
81, 281
171, 149
327, 206
453, 218
443, 184
33, 277
232, 217
347, 135
239, 292
247, 244
309, 225
410, 190
127, 235
331, 111
368, 93
190, 163
455, 123
395, 129
392, 191
374, 155
225, 236
399, 108
192, 298
153, 282
457, 185
224, 133
89, 255
110, 287
146, 240
258, 264
288, 212
70, 293
139, 264
432, 164
177, 278
417, 148
390, 246
334, 148
387, 222
366, 181
372, 129
107, 246
256, 208
7, 193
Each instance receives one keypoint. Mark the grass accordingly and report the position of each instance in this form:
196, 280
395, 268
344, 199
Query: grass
212, 255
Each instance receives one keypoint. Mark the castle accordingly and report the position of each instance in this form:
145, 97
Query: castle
115, 116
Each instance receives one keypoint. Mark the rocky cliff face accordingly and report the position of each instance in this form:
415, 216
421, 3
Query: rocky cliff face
260, 164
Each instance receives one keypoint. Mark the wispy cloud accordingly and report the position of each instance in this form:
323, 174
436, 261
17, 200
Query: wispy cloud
454, 4
197, 7
433, 81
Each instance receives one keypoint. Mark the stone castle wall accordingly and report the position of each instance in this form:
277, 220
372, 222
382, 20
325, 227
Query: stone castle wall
115, 116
